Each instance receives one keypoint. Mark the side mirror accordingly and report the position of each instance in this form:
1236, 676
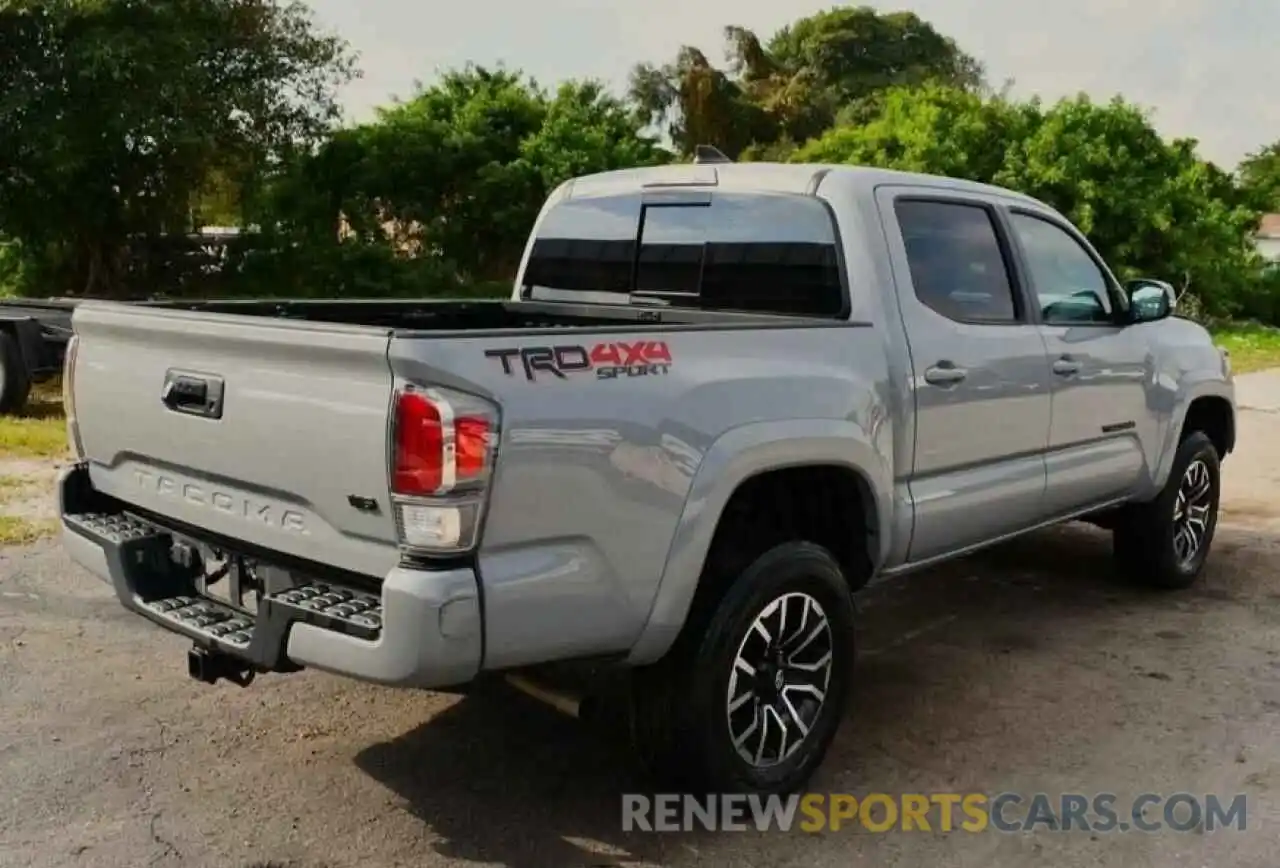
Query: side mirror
1150, 300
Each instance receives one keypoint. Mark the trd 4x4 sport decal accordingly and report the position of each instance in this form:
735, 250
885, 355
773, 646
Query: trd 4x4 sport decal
609, 361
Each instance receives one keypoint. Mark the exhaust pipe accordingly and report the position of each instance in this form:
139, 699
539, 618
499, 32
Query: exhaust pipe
565, 703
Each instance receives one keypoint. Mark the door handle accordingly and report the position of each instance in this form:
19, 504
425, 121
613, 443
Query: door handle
1066, 366
192, 394
945, 374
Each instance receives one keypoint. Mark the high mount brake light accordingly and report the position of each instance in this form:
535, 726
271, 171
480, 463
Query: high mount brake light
442, 458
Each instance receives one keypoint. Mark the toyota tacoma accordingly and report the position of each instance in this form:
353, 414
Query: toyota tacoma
720, 400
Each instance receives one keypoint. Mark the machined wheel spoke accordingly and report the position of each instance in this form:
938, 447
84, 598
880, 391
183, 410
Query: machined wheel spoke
806, 688
795, 715
771, 712
742, 737
808, 640
816, 666
1182, 543
741, 700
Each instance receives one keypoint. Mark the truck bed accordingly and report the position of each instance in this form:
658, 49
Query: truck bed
485, 315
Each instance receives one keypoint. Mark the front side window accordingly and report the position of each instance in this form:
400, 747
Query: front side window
1070, 287
765, 253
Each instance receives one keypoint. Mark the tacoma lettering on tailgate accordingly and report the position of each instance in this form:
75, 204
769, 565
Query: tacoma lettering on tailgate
609, 361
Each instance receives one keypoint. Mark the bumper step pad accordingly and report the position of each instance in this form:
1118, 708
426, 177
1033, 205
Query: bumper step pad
350, 611
114, 527
215, 621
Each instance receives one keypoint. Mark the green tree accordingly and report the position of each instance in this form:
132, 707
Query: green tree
1259, 175
934, 129
1151, 206
786, 91
117, 114
452, 179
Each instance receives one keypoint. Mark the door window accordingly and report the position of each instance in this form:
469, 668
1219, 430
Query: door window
1070, 287
957, 266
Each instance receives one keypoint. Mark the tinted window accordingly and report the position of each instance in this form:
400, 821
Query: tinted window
743, 252
956, 264
747, 252
586, 245
1069, 286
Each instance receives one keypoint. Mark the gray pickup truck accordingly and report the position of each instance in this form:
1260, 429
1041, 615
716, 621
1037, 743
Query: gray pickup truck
722, 398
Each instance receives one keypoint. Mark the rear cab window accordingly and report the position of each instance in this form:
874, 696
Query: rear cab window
771, 253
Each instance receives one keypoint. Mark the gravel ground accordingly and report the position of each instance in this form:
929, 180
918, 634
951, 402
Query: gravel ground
1027, 668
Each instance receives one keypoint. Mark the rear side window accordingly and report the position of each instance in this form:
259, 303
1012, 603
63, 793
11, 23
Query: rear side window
957, 266
767, 253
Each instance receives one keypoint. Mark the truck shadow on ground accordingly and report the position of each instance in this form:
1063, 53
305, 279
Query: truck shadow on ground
961, 680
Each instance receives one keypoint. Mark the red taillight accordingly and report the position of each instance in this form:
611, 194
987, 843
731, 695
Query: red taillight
434, 448
419, 462
472, 446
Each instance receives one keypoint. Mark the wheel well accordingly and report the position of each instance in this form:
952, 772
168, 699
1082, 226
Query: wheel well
1213, 416
829, 505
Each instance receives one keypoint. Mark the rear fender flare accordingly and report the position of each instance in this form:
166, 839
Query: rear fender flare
735, 457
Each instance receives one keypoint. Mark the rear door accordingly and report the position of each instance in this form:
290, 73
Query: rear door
1099, 367
980, 373
256, 429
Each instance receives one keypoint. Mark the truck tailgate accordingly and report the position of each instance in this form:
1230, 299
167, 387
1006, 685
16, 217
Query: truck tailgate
265, 431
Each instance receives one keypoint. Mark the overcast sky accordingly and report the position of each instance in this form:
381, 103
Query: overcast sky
1208, 68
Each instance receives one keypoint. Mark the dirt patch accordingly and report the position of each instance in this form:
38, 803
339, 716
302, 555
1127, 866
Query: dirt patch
28, 501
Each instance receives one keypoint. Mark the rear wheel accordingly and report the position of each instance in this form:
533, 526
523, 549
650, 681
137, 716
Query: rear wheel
750, 701
1164, 543
15, 381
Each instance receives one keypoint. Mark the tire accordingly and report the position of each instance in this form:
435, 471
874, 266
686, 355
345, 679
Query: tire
682, 722
1151, 542
15, 381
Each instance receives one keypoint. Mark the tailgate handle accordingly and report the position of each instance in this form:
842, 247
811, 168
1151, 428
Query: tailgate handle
193, 394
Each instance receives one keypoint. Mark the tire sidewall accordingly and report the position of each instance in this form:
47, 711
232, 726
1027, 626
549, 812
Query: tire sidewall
788, 568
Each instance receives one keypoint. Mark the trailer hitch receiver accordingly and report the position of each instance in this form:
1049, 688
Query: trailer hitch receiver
210, 666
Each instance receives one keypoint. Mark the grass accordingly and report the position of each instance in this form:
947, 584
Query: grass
1252, 347
39, 431
17, 531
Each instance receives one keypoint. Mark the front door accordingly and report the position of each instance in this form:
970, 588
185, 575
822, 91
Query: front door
980, 374
1099, 368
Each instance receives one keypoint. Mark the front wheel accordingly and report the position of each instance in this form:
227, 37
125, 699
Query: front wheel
1164, 543
750, 702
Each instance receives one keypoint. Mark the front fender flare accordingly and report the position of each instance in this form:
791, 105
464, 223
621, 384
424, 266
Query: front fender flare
735, 457
1189, 391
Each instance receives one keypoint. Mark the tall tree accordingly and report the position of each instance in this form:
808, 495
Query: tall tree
117, 114
792, 88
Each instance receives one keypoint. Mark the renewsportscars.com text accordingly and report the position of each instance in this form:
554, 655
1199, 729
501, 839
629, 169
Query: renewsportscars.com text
936, 812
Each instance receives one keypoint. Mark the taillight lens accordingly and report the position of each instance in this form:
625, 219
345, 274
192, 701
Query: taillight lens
69, 397
443, 451
419, 462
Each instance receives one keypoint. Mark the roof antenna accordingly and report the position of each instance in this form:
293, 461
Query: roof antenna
709, 154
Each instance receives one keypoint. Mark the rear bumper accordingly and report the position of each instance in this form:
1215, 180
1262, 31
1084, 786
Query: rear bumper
430, 633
